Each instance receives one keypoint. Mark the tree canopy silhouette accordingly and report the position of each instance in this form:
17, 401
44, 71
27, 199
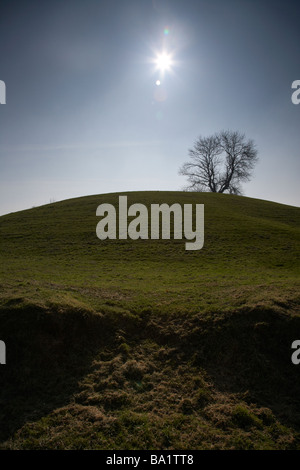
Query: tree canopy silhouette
220, 162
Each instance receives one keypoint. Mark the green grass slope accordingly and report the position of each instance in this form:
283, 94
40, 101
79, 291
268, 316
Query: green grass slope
122, 344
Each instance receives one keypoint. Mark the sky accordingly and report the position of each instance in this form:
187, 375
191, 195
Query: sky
89, 112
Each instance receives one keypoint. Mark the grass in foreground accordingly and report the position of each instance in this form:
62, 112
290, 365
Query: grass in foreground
142, 345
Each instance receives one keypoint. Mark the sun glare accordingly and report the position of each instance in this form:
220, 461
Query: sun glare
163, 61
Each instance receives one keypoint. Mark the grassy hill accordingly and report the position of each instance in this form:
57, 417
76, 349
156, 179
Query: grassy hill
123, 344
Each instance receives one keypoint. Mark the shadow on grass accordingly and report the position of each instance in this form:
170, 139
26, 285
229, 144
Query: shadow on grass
48, 352
248, 353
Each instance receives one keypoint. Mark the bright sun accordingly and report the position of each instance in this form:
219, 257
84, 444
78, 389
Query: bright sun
163, 61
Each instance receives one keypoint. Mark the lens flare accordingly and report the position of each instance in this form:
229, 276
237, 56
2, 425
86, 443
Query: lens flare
160, 94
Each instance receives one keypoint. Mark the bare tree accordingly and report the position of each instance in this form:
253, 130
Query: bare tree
219, 163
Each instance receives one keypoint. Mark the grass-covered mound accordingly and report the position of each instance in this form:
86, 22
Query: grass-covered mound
123, 344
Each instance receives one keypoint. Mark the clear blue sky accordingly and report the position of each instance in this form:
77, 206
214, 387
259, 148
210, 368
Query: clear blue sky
84, 114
